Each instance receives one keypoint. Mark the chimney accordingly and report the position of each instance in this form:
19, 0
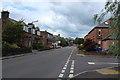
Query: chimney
59, 35
4, 14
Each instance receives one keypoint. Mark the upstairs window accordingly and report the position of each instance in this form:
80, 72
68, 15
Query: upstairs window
35, 32
99, 41
99, 32
29, 30
106, 23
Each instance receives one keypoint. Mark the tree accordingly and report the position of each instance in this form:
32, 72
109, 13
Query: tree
114, 9
63, 42
79, 40
13, 32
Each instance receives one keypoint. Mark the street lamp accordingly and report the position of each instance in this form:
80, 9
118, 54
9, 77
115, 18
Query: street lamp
35, 21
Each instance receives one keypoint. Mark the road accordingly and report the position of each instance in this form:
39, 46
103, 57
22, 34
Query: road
55, 63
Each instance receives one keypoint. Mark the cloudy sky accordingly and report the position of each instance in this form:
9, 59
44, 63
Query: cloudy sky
70, 19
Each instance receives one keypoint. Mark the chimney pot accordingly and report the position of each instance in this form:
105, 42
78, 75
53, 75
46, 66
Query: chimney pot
4, 14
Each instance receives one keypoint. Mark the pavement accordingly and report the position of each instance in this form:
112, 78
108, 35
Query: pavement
58, 64
105, 73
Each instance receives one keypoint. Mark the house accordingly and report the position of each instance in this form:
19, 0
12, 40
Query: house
47, 38
108, 41
31, 33
56, 40
0, 32
98, 33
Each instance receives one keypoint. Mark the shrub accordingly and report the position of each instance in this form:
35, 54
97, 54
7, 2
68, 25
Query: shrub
37, 46
6, 45
89, 45
14, 46
15, 51
80, 46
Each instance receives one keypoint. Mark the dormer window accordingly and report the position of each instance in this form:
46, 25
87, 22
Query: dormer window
29, 30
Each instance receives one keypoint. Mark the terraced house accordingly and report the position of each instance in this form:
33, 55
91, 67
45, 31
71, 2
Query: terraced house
32, 34
47, 38
101, 35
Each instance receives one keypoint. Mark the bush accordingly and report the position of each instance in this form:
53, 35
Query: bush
14, 46
15, 51
38, 46
8, 45
80, 46
89, 45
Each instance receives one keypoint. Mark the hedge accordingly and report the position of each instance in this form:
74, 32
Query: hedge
15, 51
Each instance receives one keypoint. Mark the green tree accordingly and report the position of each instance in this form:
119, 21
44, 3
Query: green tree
63, 42
13, 32
79, 40
114, 9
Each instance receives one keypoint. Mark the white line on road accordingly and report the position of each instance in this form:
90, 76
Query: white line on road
63, 71
65, 66
73, 62
70, 75
61, 75
91, 63
90, 71
101, 63
71, 68
71, 71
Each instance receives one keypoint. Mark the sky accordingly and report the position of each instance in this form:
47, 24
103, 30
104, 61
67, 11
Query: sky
69, 19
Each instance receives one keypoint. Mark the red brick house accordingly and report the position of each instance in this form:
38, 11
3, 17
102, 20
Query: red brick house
47, 38
99, 32
107, 42
31, 33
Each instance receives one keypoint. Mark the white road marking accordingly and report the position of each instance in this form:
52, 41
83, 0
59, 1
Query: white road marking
91, 63
73, 62
71, 71
61, 75
70, 75
101, 63
71, 68
62, 71
89, 71
72, 65
113, 63
65, 67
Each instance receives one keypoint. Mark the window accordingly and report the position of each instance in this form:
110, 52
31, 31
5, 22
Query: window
99, 32
38, 32
29, 30
106, 23
35, 32
99, 41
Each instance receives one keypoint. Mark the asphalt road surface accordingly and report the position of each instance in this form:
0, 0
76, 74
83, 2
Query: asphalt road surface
55, 63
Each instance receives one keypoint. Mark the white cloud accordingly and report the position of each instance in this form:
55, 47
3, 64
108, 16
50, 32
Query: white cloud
68, 19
